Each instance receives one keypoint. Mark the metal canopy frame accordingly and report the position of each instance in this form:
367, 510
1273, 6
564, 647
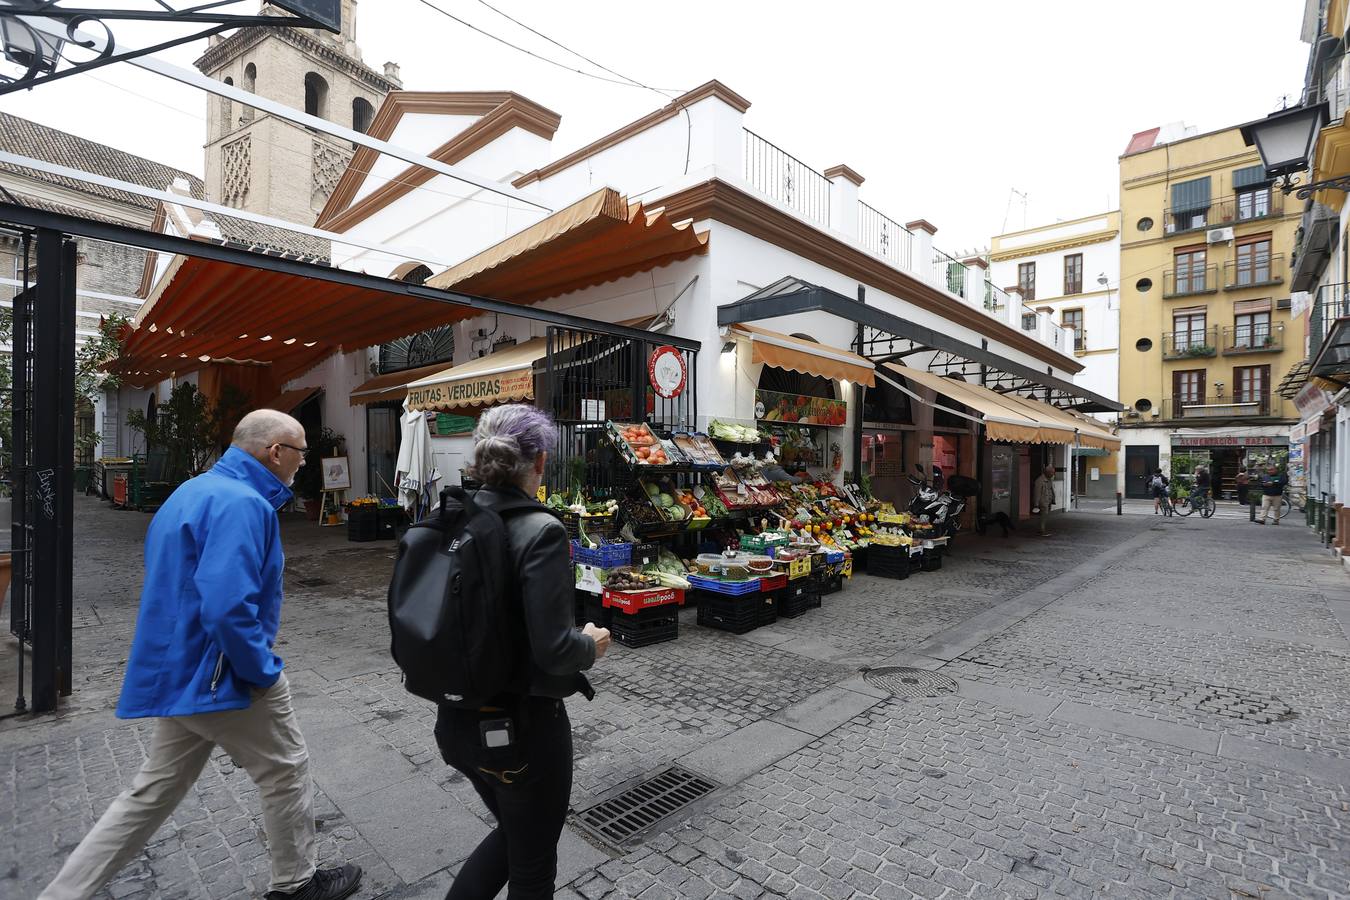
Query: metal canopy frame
885, 337
40, 52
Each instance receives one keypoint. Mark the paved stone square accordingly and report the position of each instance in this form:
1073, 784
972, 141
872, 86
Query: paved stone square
1144, 708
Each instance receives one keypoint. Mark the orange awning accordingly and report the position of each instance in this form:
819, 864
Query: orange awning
500, 377
393, 385
783, 351
203, 311
595, 240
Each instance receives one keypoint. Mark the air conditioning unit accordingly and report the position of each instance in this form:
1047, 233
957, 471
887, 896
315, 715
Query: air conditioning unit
1286, 303
1218, 235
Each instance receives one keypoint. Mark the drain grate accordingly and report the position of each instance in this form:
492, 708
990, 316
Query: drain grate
906, 682
641, 808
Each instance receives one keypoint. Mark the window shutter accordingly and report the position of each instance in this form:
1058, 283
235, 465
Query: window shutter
1251, 176
1188, 195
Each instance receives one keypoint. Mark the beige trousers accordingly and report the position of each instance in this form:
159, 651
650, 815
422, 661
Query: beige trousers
1270, 505
264, 740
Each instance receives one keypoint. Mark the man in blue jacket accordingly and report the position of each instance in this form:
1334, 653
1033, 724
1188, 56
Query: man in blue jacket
202, 664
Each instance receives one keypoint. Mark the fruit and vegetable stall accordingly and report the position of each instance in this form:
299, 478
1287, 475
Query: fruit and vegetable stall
716, 520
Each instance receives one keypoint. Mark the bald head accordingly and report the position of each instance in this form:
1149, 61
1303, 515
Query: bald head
262, 428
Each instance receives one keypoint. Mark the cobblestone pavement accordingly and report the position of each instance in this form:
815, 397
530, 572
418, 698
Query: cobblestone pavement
1144, 709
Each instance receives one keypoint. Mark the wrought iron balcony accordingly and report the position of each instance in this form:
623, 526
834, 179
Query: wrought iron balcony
1332, 303
1220, 213
1230, 407
1197, 343
1262, 338
1257, 272
1190, 281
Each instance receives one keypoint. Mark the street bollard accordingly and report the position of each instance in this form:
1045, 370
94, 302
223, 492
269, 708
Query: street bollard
1251, 509
1119, 504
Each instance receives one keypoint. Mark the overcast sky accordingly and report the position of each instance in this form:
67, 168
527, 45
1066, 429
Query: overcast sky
945, 108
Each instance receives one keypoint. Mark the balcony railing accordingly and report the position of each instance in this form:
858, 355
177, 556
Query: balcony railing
949, 273
1190, 281
1239, 407
995, 298
782, 177
1197, 343
1224, 212
1332, 303
1080, 340
1256, 272
884, 236
1259, 338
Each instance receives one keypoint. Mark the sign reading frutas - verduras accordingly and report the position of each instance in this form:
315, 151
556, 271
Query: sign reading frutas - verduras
517, 385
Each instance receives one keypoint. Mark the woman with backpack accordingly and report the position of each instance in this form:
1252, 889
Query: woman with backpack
516, 750
1158, 486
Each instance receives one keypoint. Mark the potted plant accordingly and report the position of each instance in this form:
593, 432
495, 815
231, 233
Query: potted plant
323, 444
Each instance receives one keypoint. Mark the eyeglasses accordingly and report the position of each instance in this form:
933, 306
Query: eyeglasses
301, 450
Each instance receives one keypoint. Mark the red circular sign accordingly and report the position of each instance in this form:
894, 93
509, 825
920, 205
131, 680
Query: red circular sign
667, 371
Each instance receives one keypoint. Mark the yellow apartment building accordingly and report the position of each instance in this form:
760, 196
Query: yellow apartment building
1205, 326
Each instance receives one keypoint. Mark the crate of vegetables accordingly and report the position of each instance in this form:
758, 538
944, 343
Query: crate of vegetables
641, 447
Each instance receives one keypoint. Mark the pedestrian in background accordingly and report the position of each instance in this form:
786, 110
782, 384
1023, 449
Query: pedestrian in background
1044, 493
1243, 483
1158, 486
202, 664
1272, 492
527, 783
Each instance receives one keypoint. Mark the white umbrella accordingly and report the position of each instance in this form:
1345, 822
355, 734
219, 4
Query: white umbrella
415, 472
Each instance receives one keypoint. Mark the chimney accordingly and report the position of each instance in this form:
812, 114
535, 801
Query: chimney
391, 72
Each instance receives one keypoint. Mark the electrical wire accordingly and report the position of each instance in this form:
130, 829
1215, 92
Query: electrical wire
553, 62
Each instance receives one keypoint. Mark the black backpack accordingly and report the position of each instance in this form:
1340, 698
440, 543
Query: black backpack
456, 633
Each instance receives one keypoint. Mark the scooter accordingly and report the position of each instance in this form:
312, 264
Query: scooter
928, 503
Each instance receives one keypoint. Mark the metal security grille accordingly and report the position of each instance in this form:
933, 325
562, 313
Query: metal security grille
907, 682
639, 809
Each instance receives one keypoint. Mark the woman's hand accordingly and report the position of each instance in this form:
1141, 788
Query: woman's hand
599, 635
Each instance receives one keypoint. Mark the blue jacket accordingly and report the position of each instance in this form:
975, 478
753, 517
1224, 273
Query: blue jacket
211, 602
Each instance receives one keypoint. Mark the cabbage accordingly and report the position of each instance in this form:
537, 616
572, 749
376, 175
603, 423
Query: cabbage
652, 490
664, 499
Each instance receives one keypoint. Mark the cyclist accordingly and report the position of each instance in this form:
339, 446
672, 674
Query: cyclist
1157, 484
1273, 484
1202, 487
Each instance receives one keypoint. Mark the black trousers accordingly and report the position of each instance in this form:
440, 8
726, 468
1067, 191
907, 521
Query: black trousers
527, 787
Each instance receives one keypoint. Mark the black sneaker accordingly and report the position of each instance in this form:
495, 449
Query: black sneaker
327, 884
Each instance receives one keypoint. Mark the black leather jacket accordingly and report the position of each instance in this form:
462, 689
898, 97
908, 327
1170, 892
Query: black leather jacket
558, 652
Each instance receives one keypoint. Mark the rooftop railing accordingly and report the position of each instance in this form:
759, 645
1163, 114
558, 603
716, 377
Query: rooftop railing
949, 273
884, 236
782, 177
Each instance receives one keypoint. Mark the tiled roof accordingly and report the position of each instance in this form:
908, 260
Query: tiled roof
59, 208
28, 138
252, 235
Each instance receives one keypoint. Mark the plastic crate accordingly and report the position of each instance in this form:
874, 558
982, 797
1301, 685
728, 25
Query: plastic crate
756, 543
589, 608
728, 588
888, 562
797, 600
737, 615
834, 556
634, 602
931, 560
647, 627
770, 583
596, 526
832, 585
608, 556
363, 525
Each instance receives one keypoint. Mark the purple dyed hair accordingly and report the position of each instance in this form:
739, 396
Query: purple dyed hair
506, 441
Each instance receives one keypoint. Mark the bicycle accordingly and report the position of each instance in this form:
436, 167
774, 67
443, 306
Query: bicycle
1204, 505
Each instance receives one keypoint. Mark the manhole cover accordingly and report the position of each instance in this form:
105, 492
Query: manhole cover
907, 682
640, 808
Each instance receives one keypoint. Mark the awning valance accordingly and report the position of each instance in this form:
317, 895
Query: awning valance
1009, 417
595, 240
501, 377
392, 385
786, 352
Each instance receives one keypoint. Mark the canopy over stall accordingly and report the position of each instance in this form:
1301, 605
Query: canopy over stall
502, 377
1010, 418
786, 352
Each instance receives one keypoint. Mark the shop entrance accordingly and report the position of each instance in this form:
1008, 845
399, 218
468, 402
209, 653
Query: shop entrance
1140, 461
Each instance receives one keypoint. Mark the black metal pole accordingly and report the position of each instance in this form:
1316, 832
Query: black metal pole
1120, 504
20, 532
53, 467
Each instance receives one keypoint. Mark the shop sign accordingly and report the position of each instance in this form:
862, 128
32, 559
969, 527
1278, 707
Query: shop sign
1224, 440
667, 371
1311, 401
483, 391
802, 410
1298, 433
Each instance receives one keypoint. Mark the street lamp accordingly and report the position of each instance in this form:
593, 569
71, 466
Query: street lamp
1285, 141
25, 46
